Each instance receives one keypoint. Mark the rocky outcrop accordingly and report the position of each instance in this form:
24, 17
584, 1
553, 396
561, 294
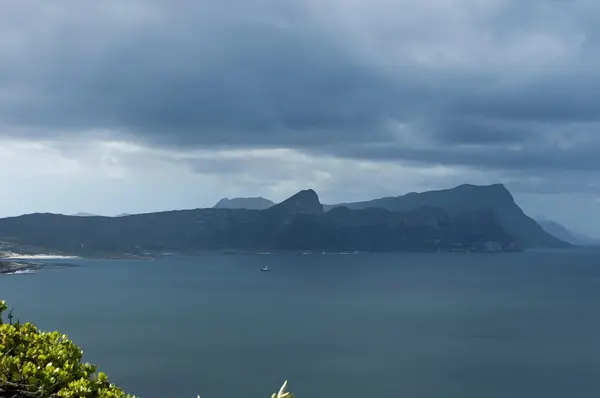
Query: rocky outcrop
10, 267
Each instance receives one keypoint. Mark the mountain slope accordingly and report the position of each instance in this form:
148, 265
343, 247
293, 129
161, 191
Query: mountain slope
471, 198
298, 223
563, 233
254, 203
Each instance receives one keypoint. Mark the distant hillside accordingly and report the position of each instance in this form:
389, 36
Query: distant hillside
85, 215
563, 233
298, 224
471, 198
255, 203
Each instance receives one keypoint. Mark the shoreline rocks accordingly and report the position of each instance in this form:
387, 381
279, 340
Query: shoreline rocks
10, 267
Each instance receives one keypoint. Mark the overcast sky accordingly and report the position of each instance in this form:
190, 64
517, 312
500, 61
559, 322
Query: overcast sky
141, 105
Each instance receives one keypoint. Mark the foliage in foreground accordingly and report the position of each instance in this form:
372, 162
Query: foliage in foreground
46, 364
39, 364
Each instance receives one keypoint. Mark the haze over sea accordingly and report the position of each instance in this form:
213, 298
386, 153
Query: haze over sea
353, 326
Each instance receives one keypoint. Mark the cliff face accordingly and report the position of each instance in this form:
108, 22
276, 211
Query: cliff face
298, 223
494, 199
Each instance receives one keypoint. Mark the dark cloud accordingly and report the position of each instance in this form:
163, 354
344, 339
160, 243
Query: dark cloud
529, 157
562, 97
457, 130
506, 85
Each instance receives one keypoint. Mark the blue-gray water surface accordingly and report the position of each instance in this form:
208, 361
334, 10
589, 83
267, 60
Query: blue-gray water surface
352, 326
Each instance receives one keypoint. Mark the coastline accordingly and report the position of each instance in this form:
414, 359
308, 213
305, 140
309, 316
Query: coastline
13, 263
8, 257
16, 256
11, 267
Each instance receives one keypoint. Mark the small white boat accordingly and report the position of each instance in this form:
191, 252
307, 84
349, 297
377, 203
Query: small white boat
266, 269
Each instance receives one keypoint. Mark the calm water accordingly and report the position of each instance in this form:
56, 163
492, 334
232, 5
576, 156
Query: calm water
352, 326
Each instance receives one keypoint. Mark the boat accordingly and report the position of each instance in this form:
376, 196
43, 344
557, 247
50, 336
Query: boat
266, 269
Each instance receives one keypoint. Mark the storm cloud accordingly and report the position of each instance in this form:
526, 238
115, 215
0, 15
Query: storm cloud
506, 87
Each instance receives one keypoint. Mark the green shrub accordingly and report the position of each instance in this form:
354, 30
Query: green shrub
46, 364
39, 364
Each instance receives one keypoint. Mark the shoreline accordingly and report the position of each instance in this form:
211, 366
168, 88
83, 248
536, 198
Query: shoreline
12, 267
39, 257
154, 256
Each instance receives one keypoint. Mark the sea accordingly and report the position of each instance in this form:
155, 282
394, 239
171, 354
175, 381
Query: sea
415, 325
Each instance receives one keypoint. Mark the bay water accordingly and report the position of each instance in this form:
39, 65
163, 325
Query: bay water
367, 325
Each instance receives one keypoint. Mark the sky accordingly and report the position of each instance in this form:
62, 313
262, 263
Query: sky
146, 105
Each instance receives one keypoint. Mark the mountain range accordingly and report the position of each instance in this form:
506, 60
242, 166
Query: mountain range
468, 217
468, 198
459, 200
83, 214
565, 234
255, 203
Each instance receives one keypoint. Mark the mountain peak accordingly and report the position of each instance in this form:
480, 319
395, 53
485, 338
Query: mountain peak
489, 188
306, 193
304, 202
493, 192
